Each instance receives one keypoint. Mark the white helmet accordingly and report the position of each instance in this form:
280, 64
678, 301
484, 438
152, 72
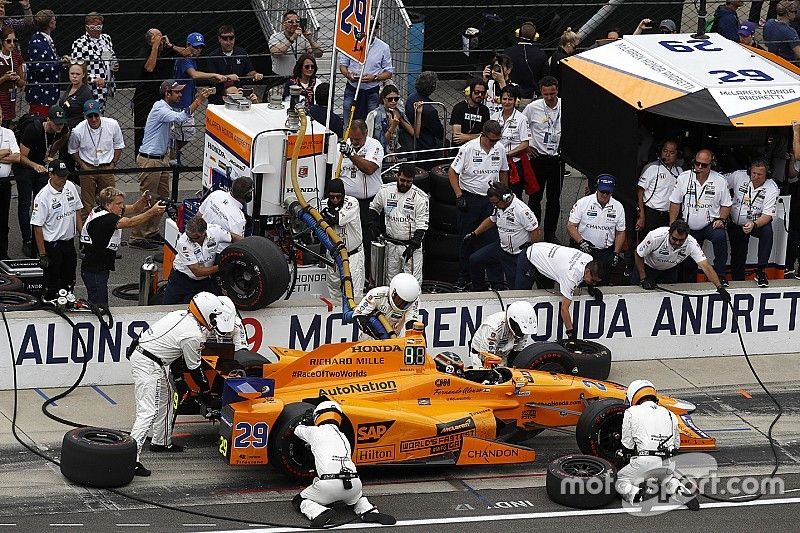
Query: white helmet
328, 411
212, 312
404, 290
521, 318
638, 389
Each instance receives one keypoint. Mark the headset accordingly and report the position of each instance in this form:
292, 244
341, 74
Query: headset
499, 190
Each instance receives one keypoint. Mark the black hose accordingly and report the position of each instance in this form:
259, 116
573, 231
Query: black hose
129, 291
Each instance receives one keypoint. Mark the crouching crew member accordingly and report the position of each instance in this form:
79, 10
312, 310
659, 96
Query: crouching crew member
337, 478
399, 303
504, 333
226, 209
342, 212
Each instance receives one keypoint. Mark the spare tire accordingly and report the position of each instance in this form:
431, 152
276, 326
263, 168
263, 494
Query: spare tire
260, 273
592, 358
18, 301
98, 457
441, 270
546, 357
581, 481
421, 178
441, 245
10, 283
443, 217
441, 190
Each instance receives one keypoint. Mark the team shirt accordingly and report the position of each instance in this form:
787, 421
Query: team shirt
96, 147
55, 212
700, 203
494, 336
378, 299
598, 224
749, 202
404, 212
476, 168
514, 224
545, 126
658, 252
349, 227
355, 182
225, 211
513, 131
191, 253
658, 181
564, 265
7, 142
177, 334
100, 238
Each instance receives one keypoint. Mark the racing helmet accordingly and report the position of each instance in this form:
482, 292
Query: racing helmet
404, 290
521, 318
638, 390
328, 412
212, 312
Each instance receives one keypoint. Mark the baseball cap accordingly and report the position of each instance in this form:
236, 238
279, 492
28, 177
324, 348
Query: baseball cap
57, 115
747, 29
58, 167
668, 24
196, 40
171, 85
606, 183
91, 107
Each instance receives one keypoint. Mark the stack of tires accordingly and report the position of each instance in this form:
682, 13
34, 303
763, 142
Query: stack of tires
442, 241
421, 178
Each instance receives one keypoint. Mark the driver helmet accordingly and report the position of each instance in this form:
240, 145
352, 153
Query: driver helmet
404, 290
328, 412
521, 318
213, 313
638, 390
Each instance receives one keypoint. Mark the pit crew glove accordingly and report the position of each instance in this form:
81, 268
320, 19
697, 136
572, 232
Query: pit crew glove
199, 378
524, 245
308, 418
619, 257
469, 237
595, 293
365, 326
571, 334
585, 246
461, 204
44, 261
347, 149
414, 244
723, 292
648, 285
226, 269
331, 216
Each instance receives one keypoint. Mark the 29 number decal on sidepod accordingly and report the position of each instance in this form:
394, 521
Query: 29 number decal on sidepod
223, 446
254, 435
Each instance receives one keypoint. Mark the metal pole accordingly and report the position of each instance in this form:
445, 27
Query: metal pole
701, 21
598, 18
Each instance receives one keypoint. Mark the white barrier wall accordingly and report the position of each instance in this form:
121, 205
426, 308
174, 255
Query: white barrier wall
635, 324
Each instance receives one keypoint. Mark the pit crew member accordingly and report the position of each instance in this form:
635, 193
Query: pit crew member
178, 334
399, 303
597, 223
544, 263
337, 478
342, 212
654, 188
405, 209
504, 333
226, 209
650, 434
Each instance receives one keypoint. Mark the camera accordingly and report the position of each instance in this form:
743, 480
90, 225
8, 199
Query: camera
171, 206
303, 24
213, 90
497, 68
247, 92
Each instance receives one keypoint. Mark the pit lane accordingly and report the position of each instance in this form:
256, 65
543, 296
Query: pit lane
730, 407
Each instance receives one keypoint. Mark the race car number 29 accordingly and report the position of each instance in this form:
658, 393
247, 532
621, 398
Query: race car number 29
246, 435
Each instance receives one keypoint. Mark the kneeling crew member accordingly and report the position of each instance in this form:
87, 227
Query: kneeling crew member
178, 334
337, 479
226, 209
650, 433
504, 333
399, 303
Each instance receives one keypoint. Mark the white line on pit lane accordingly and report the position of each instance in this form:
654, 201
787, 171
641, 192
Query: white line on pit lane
521, 516
132, 525
66, 525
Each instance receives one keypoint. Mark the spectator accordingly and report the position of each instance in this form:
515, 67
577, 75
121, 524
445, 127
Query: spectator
95, 49
597, 224
567, 46
655, 187
44, 66
304, 76
195, 260
155, 153
515, 139
544, 120
16, 23
793, 239
518, 229
378, 69
226, 209
530, 63
612, 34
755, 11
286, 46
388, 124
101, 236
96, 145
319, 110
9, 154
428, 129
55, 218
726, 21
39, 142
343, 214
478, 163
702, 199
667, 26
158, 65
470, 114
644, 24
405, 209
779, 35
233, 89
755, 200
13, 76
231, 61
78, 93
746, 32
497, 75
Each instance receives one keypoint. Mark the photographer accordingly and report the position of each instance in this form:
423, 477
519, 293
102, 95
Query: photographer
497, 75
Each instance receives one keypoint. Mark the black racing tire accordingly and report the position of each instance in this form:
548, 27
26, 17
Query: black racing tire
98, 457
11, 283
287, 453
581, 481
440, 270
592, 358
421, 178
18, 301
260, 273
443, 217
430, 286
545, 357
599, 429
441, 190
441, 245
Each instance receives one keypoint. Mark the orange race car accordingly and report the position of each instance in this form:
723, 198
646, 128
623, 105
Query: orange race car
403, 405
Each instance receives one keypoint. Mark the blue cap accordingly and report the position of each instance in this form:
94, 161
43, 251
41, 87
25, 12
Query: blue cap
747, 29
91, 107
606, 183
196, 40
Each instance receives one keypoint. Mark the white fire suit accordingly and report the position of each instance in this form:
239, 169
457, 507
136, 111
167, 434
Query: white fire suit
332, 455
378, 299
349, 228
494, 336
649, 427
405, 214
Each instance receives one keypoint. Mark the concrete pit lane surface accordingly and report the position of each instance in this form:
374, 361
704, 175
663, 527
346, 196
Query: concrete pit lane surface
731, 407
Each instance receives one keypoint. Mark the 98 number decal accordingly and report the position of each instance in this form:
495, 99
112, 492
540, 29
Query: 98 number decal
254, 435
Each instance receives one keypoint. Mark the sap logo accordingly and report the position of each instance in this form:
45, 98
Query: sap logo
377, 348
442, 382
372, 432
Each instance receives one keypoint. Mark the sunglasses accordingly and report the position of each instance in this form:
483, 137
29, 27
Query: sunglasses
392, 98
478, 92
94, 27
77, 62
227, 37
10, 41
291, 22
700, 164
310, 67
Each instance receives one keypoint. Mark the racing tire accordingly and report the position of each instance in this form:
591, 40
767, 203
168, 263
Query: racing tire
592, 358
599, 429
98, 457
443, 217
441, 245
421, 178
287, 453
581, 481
444, 271
441, 190
18, 301
260, 273
545, 357
11, 283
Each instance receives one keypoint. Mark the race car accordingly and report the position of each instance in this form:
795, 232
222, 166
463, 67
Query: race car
403, 405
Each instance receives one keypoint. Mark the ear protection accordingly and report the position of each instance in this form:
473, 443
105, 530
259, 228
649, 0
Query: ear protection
501, 191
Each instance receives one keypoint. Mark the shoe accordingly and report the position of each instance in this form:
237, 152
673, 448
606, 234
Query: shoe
761, 279
157, 238
118, 255
693, 504
461, 285
791, 274
141, 470
374, 517
723, 283
142, 244
322, 519
567, 173
169, 448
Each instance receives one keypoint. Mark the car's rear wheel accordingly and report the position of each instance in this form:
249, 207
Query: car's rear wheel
599, 429
288, 453
581, 481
